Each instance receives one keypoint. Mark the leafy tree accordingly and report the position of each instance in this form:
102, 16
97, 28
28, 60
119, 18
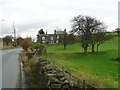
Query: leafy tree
41, 31
86, 27
19, 40
7, 40
28, 38
117, 30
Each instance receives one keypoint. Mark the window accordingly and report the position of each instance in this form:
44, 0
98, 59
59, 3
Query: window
51, 38
43, 38
57, 37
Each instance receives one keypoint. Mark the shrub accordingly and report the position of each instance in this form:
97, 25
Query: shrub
40, 49
26, 44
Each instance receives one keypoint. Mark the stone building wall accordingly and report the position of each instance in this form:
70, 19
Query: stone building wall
50, 38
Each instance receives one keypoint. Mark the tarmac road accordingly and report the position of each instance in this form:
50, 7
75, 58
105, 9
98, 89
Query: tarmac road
11, 68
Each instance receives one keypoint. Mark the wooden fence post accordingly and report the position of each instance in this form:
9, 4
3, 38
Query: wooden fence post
83, 84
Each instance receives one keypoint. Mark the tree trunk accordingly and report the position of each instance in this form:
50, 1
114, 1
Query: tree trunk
97, 47
85, 51
64, 46
93, 45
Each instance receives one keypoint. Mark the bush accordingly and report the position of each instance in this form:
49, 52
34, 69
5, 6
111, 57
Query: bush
26, 44
40, 49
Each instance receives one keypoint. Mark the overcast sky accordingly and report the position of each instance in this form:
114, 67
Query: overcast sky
31, 15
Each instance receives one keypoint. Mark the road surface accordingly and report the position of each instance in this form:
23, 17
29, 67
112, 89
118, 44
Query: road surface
11, 68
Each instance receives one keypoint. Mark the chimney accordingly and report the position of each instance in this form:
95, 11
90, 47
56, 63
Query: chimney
54, 31
46, 32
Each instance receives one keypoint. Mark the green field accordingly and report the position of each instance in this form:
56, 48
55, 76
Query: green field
98, 68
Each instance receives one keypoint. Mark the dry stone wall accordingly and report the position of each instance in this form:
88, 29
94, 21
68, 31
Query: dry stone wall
49, 76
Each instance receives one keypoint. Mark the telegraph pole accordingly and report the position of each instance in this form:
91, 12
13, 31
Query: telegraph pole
14, 34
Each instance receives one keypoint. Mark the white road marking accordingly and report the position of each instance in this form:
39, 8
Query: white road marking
3, 53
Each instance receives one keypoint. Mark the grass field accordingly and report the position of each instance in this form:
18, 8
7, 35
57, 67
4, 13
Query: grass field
98, 68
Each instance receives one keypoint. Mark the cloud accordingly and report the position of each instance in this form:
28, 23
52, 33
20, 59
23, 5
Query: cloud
31, 15
119, 14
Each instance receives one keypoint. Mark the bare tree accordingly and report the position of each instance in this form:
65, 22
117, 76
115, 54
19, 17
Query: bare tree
98, 35
101, 37
70, 38
86, 27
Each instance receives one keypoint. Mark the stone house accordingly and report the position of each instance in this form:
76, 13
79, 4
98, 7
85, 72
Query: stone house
51, 38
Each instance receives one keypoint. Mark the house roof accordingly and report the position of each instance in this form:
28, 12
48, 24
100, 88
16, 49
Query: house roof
59, 32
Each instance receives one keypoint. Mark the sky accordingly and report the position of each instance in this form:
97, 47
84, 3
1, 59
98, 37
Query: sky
29, 16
